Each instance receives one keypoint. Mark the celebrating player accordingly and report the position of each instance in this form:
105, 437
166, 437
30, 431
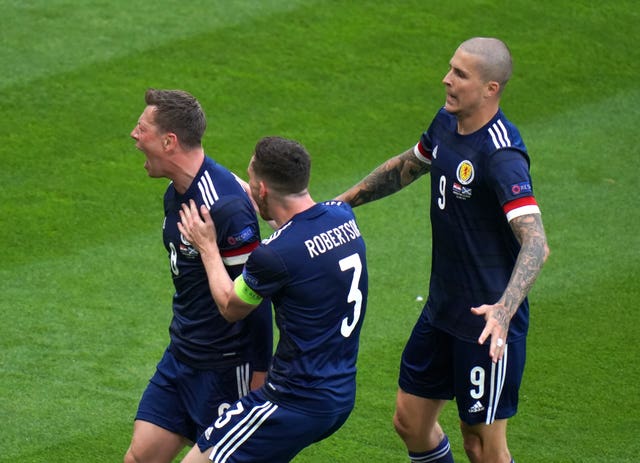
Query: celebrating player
488, 248
209, 361
314, 269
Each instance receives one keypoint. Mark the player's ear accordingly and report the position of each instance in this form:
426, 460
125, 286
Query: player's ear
170, 140
263, 189
492, 88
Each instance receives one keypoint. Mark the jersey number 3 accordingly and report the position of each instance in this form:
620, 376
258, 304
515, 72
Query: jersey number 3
354, 296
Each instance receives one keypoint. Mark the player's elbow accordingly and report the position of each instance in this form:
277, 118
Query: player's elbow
230, 315
547, 251
538, 249
233, 311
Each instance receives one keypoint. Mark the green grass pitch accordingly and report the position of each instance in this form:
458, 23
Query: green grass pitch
84, 282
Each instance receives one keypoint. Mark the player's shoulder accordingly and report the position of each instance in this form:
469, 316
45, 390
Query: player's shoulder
214, 181
502, 134
504, 144
276, 234
333, 204
327, 214
217, 172
303, 223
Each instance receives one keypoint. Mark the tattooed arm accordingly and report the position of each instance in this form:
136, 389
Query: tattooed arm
533, 253
386, 179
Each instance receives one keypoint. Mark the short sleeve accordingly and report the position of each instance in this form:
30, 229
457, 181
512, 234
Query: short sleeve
265, 272
508, 174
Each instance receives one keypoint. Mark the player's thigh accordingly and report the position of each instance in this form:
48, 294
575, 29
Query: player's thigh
426, 383
196, 455
151, 443
206, 394
161, 403
426, 366
487, 391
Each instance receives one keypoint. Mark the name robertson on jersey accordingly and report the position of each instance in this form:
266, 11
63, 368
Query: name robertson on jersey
331, 239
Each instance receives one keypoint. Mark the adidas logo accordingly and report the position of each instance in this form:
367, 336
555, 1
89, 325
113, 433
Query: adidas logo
476, 408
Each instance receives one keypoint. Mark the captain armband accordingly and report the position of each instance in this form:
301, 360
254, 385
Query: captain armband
245, 293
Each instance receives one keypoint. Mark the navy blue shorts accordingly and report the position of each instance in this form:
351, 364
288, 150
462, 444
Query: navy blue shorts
436, 365
185, 401
257, 430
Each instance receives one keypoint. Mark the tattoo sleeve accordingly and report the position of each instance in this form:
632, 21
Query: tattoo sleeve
530, 233
386, 179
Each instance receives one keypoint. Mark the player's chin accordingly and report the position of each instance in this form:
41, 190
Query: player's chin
451, 107
151, 172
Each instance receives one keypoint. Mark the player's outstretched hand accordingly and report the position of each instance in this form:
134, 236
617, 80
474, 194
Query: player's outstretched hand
198, 228
497, 327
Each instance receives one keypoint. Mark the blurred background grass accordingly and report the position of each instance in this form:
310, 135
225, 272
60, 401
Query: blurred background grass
84, 278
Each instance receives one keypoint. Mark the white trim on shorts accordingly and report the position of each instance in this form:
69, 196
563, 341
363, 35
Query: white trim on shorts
242, 379
498, 376
242, 431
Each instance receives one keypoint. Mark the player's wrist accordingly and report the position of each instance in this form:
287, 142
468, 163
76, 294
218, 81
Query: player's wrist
209, 252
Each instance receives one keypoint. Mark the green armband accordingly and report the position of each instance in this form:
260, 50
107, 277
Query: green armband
245, 293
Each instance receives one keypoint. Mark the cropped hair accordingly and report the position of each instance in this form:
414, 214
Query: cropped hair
285, 165
495, 58
179, 112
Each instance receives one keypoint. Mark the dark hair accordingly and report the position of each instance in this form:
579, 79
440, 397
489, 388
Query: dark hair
179, 112
284, 164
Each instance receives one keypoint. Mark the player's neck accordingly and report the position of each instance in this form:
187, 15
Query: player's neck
470, 123
185, 166
291, 205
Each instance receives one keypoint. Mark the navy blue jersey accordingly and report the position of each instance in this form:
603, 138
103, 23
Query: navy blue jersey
200, 336
478, 183
314, 269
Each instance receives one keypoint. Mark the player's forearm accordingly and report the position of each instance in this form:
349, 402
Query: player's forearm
532, 256
220, 284
222, 287
386, 179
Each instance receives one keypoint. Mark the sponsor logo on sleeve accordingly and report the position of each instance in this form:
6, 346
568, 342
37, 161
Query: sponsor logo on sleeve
245, 235
519, 188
